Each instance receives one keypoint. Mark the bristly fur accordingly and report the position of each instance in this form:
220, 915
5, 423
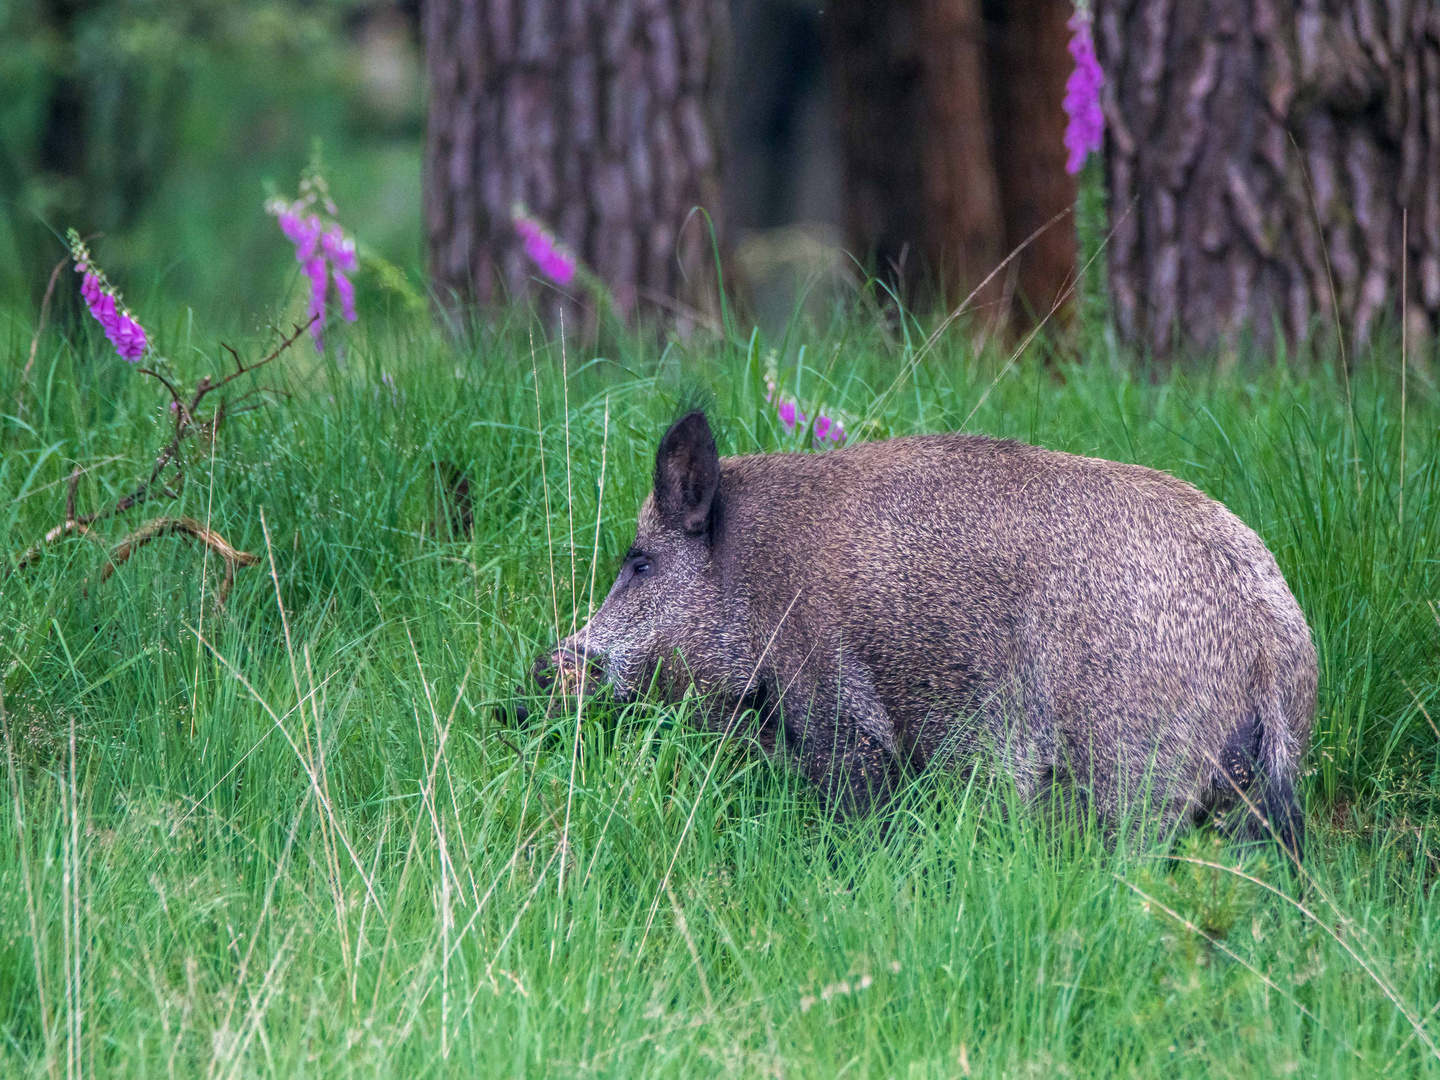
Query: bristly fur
923, 600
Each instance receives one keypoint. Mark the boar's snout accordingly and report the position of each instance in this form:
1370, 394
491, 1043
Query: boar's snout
567, 668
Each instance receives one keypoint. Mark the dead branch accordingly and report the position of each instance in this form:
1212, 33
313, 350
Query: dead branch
180, 526
241, 369
187, 426
33, 551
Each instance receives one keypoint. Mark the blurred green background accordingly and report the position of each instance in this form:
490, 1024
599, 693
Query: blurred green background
161, 126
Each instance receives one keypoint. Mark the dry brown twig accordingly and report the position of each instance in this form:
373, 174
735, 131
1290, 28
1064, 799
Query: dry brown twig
184, 526
188, 426
39, 329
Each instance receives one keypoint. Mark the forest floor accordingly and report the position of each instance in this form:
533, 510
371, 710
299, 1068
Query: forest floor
297, 835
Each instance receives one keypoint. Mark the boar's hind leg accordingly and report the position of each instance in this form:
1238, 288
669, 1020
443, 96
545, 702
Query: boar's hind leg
1253, 792
844, 740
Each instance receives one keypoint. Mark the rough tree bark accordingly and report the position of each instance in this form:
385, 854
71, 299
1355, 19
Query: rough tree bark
951, 137
964, 226
1028, 67
597, 116
1233, 126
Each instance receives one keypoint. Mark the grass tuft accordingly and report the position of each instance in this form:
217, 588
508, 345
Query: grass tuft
296, 834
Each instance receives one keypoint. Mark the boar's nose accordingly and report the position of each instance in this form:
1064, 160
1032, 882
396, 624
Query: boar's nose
570, 665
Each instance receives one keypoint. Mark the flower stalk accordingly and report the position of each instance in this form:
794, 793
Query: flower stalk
1085, 130
105, 304
322, 249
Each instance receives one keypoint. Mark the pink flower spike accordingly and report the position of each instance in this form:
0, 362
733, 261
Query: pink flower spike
302, 232
132, 339
1085, 131
787, 413
138, 341
822, 428
291, 227
345, 290
318, 274
545, 251
339, 249
120, 327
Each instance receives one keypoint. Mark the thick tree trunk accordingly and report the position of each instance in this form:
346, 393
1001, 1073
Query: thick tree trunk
596, 115
951, 132
1233, 127
964, 235
1029, 64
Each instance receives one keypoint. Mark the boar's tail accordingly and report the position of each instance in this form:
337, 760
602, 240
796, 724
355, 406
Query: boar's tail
1259, 763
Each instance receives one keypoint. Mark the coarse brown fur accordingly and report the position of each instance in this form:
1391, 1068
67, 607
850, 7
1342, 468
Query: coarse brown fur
919, 601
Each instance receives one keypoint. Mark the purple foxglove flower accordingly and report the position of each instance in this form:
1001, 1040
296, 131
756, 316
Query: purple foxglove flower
346, 292
127, 335
790, 416
339, 249
323, 251
105, 312
1085, 130
826, 428
302, 232
132, 342
552, 257
318, 274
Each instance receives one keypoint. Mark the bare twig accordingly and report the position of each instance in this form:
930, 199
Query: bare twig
68, 526
241, 369
40, 326
33, 551
178, 402
183, 526
187, 426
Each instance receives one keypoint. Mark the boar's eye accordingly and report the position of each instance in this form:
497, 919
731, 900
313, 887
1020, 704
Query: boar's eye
642, 567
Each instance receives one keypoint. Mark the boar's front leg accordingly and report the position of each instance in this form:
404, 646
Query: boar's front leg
842, 737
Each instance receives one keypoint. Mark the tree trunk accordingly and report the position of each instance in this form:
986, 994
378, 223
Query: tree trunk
951, 133
596, 115
1029, 64
1234, 127
964, 229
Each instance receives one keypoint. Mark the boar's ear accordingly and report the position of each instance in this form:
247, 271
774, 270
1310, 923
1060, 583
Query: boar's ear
687, 472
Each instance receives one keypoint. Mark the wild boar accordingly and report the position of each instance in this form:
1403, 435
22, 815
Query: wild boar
922, 600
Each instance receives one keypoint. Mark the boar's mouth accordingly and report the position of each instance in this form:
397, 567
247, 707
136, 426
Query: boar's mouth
573, 671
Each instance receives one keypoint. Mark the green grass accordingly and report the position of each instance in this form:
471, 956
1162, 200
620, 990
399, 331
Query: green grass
312, 846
